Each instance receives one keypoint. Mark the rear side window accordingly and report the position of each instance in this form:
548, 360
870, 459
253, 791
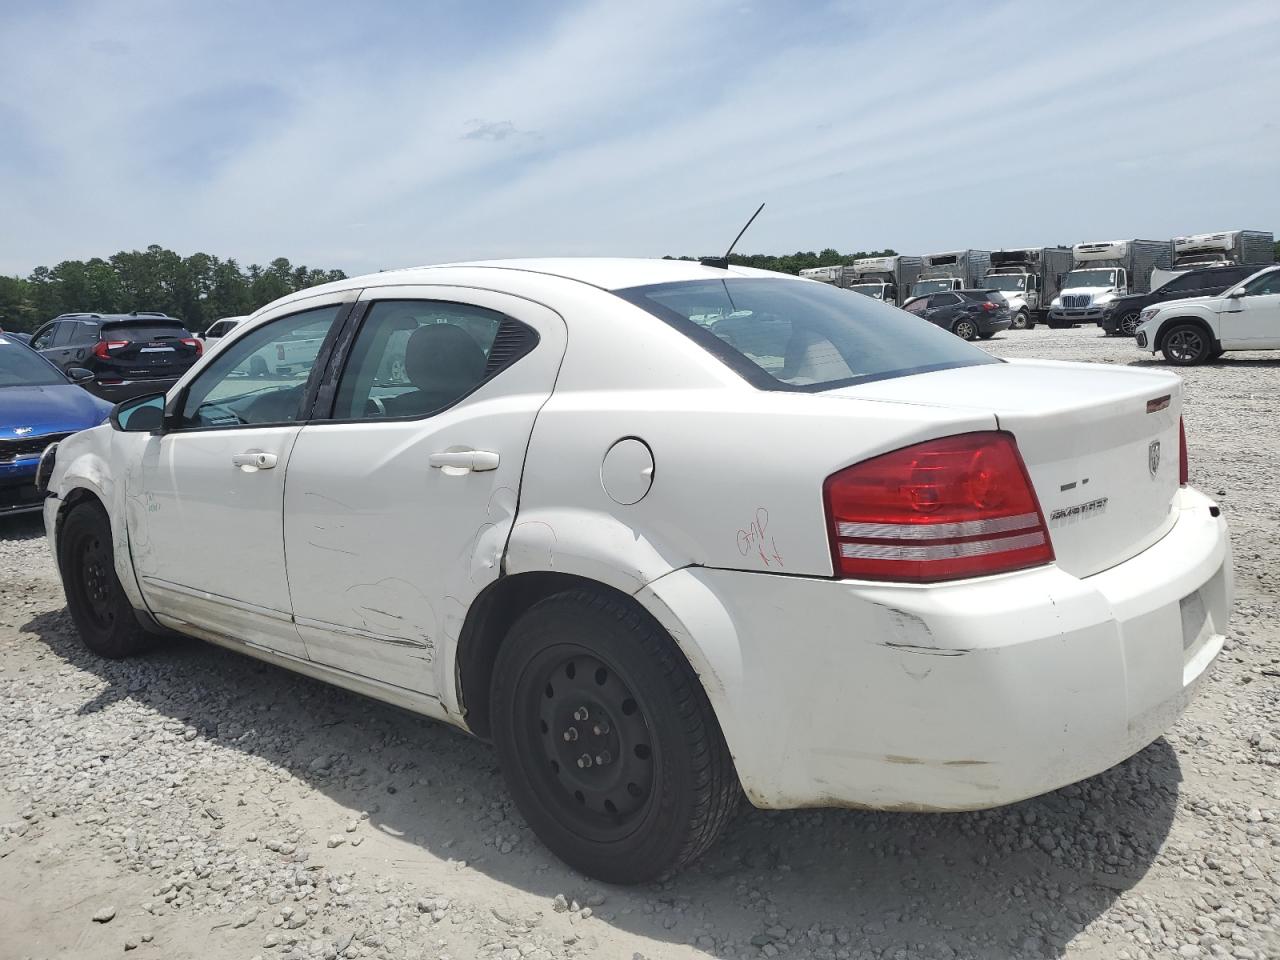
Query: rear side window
150, 330
792, 335
983, 296
413, 358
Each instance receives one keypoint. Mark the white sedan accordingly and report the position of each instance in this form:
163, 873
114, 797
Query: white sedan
668, 533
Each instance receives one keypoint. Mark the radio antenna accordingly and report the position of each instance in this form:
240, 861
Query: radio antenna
723, 262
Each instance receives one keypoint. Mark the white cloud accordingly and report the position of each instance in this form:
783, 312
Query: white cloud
635, 129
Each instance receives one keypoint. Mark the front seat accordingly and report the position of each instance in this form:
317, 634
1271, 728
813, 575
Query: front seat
443, 362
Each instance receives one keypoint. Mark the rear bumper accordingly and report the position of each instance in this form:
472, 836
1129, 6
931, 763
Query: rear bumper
959, 696
127, 389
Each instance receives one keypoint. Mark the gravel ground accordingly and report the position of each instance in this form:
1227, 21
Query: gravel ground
196, 803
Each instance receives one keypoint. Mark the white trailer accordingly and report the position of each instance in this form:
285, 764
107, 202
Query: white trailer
824, 274
1103, 270
952, 270
883, 278
1226, 249
1029, 278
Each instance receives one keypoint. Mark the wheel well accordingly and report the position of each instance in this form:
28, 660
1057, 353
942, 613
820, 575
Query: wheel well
1183, 321
489, 619
72, 500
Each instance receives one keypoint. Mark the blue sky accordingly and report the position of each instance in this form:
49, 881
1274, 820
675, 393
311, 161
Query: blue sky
382, 135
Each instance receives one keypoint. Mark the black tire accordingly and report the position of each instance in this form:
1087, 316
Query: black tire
1186, 345
1058, 324
987, 336
258, 367
1021, 321
1216, 353
965, 329
97, 603
1127, 325
666, 785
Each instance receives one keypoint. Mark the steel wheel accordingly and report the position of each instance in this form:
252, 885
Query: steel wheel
1128, 324
606, 739
95, 598
1020, 320
965, 329
1185, 345
589, 736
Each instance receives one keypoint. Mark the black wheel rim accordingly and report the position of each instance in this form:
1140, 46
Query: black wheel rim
1129, 323
1184, 345
94, 583
585, 743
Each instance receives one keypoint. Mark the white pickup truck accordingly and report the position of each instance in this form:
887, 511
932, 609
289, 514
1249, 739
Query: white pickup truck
1244, 317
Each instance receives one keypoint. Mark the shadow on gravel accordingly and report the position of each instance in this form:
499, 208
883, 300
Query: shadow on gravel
1023, 880
22, 526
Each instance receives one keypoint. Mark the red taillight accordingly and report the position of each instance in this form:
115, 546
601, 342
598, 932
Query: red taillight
1183, 476
194, 342
988, 305
961, 506
103, 347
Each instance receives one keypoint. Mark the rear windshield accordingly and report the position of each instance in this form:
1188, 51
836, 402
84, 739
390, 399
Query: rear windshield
144, 330
19, 367
981, 295
796, 335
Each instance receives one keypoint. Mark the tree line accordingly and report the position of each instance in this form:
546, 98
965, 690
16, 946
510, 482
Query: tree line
800, 260
197, 289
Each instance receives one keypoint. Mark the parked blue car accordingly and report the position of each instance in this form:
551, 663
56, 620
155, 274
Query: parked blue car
39, 405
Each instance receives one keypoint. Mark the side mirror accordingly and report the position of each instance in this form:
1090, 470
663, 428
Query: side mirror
140, 414
80, 374
1236, 293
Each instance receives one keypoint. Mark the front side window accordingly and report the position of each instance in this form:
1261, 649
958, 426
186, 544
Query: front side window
43, 338
1268, 283
413, 358
262, 377
790, 335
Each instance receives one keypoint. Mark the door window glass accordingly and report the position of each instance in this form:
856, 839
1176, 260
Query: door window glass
917, 306
64, 330
413, 358
1268, 283
43, 338
262, 377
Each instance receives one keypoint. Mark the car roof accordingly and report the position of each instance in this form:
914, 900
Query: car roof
139, 317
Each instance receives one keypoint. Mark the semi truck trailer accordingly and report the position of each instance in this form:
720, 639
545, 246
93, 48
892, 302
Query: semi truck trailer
1028, 277
1230, 248
952, 270
884, 278
1103, 270
824, 274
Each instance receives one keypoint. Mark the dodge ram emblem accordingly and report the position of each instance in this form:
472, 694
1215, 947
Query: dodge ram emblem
1153, 457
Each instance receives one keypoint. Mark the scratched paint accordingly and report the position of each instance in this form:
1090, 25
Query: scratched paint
754, 540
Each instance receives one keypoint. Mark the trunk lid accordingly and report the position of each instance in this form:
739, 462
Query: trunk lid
1101, 445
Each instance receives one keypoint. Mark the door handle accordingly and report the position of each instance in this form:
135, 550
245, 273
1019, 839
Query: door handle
476, 461
254, 460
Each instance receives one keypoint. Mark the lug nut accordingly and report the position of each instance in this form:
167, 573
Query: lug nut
584, 761
580, 714
571, 734
601, 728
603, 758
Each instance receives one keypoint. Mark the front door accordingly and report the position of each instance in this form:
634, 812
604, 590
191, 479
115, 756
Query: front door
205, 502
398, 508
1253, 320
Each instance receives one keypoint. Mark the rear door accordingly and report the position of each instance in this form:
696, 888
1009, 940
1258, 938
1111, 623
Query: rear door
398, 506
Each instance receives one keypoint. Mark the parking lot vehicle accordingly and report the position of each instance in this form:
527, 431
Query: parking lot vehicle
220, 328
1189, 332
1103, 271
1028, 277
39, 405
883, 278
952, 270
832, 274
128, 353
667, 532
1227, 248
1121, 315
969, 314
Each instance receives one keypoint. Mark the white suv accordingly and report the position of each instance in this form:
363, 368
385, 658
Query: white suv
1245, 317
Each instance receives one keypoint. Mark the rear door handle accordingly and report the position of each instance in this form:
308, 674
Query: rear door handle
254, 460
477, 461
